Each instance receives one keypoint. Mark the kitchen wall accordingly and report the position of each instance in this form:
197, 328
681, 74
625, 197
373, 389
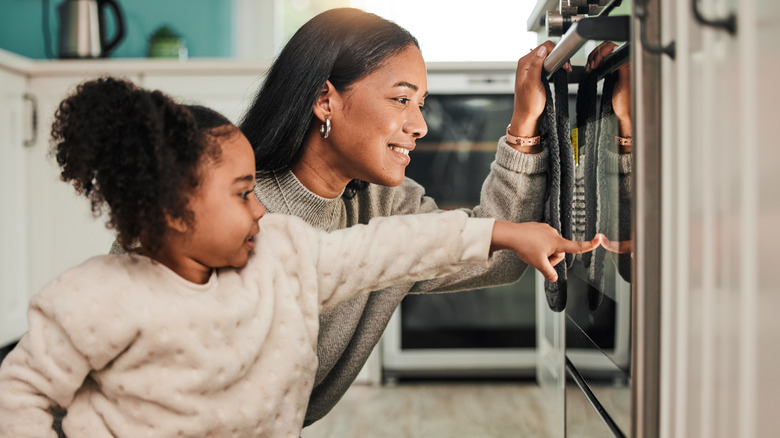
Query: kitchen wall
205, 24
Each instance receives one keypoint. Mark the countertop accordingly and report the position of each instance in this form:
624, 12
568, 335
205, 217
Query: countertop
195, 66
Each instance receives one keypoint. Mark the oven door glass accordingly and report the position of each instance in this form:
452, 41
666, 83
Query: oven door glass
598, 311
471, 330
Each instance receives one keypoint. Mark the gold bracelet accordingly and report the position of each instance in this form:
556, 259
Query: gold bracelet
625, 144
523, 142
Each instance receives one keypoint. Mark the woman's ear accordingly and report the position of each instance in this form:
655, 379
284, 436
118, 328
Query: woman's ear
326, 101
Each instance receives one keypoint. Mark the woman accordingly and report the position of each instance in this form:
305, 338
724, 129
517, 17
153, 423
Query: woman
333, 127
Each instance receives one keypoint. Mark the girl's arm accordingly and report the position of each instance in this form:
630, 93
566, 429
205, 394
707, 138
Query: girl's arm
397, 249
76, 324
389, 250
43, 371
538, 244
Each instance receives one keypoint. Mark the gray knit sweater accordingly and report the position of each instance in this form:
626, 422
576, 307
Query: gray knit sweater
514, 190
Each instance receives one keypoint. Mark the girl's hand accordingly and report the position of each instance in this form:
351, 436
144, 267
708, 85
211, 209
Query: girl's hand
530, 97
538, 244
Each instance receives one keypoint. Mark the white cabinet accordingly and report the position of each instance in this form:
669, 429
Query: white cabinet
228, 93
14, 197
64, 232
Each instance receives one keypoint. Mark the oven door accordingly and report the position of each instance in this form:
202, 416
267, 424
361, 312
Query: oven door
478, 333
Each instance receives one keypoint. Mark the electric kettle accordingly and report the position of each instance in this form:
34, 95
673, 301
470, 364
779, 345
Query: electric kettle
83, 28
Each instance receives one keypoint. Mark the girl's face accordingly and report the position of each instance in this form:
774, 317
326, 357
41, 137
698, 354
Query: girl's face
225, 208
377, 120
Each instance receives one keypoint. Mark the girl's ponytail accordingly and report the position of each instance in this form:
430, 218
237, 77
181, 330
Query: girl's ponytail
132, 150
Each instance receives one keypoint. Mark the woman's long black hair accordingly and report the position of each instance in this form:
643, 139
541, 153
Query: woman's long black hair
136, 151
341, 45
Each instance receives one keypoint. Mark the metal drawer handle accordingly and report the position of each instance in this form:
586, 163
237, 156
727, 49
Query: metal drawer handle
729, 23
34, 137
656, 49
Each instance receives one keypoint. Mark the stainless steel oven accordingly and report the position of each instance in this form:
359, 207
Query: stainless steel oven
504, 331
487, 332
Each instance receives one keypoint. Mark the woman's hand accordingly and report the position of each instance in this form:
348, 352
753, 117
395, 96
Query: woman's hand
530, 96
621, 96
538, 244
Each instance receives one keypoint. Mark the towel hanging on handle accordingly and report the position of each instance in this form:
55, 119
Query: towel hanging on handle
560, 187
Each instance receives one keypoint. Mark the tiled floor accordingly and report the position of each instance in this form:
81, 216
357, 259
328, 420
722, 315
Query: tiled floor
440, 410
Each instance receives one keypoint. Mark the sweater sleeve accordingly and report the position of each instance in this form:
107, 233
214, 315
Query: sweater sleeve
42, 372
514, 190
76, 324
387, 250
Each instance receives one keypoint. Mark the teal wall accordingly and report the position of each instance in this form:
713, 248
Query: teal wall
204, 24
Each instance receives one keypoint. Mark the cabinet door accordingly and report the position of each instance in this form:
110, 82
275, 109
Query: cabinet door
63, 230
14, 196
230, 94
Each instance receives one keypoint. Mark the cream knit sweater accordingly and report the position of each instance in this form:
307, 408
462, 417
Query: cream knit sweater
133, 350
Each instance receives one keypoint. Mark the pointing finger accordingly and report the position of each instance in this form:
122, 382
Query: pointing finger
577, 247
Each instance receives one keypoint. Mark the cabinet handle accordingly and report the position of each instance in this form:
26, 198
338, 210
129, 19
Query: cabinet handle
34, 137
728, 23
640, 11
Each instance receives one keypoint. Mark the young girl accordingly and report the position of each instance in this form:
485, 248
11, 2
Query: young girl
208, 326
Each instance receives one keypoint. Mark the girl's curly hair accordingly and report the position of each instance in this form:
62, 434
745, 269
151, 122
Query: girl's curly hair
135, 151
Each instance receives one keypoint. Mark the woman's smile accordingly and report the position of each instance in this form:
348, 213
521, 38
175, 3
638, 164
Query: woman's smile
401, 152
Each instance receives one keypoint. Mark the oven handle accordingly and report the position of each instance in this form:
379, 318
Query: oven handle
580, 381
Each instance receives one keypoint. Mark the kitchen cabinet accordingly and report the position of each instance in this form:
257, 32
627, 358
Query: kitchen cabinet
65, 231
229, 93
14, 291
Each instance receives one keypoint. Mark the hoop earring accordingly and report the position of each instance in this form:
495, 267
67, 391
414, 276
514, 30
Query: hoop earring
325, 128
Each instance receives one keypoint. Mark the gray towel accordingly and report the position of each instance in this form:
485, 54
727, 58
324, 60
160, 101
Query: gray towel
560, 191
587, 114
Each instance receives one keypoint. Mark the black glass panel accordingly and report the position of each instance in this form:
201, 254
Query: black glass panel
451, 162
499, 317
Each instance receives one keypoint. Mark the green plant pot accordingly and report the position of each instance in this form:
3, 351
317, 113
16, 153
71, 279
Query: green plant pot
167, 48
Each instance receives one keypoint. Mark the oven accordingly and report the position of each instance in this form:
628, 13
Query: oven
488, 332
505, 331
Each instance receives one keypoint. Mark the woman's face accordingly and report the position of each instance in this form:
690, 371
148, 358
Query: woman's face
379, 119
